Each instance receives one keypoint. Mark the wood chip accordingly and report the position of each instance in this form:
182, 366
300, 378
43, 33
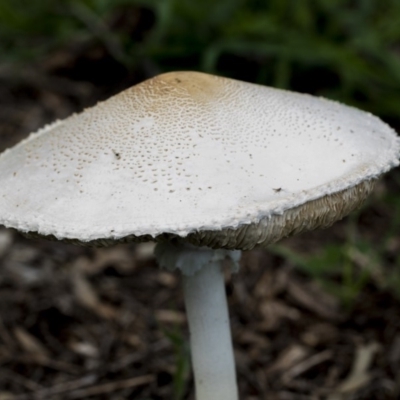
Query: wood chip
289, 357
307, 364
118, 256
319, 333
6, 239
145, 251
273, 312
359, 375
311, 297
111, 387
252, 338
167, 279
271, 283
6, 396
86, 296
394, 352
170, 317
84, 349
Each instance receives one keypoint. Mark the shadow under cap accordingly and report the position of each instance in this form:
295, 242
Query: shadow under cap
318, 213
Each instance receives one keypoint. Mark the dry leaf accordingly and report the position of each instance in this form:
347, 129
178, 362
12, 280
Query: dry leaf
31, 344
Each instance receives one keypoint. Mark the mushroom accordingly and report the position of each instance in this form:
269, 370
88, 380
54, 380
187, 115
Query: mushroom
205, 166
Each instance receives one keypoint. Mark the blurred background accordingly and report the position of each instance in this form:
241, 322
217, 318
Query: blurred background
313, 317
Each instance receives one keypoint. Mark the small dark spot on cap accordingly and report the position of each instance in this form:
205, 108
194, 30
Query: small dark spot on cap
117, 155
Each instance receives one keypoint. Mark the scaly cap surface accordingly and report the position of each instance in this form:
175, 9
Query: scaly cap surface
222, 162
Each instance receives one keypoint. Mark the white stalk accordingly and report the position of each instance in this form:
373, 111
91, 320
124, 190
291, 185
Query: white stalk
207, 312
210, 334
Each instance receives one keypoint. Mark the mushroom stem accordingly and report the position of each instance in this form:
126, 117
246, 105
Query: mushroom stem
207, 312
210, 335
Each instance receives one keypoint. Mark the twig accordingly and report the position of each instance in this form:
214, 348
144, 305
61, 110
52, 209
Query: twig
48, 363
20, 380
305, 365
60, 388
125, 361
111, 387
76, 389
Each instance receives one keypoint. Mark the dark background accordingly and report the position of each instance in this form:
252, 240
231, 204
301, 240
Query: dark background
313, 317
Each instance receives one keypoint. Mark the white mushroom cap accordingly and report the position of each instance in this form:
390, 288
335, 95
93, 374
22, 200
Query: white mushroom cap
187, 153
